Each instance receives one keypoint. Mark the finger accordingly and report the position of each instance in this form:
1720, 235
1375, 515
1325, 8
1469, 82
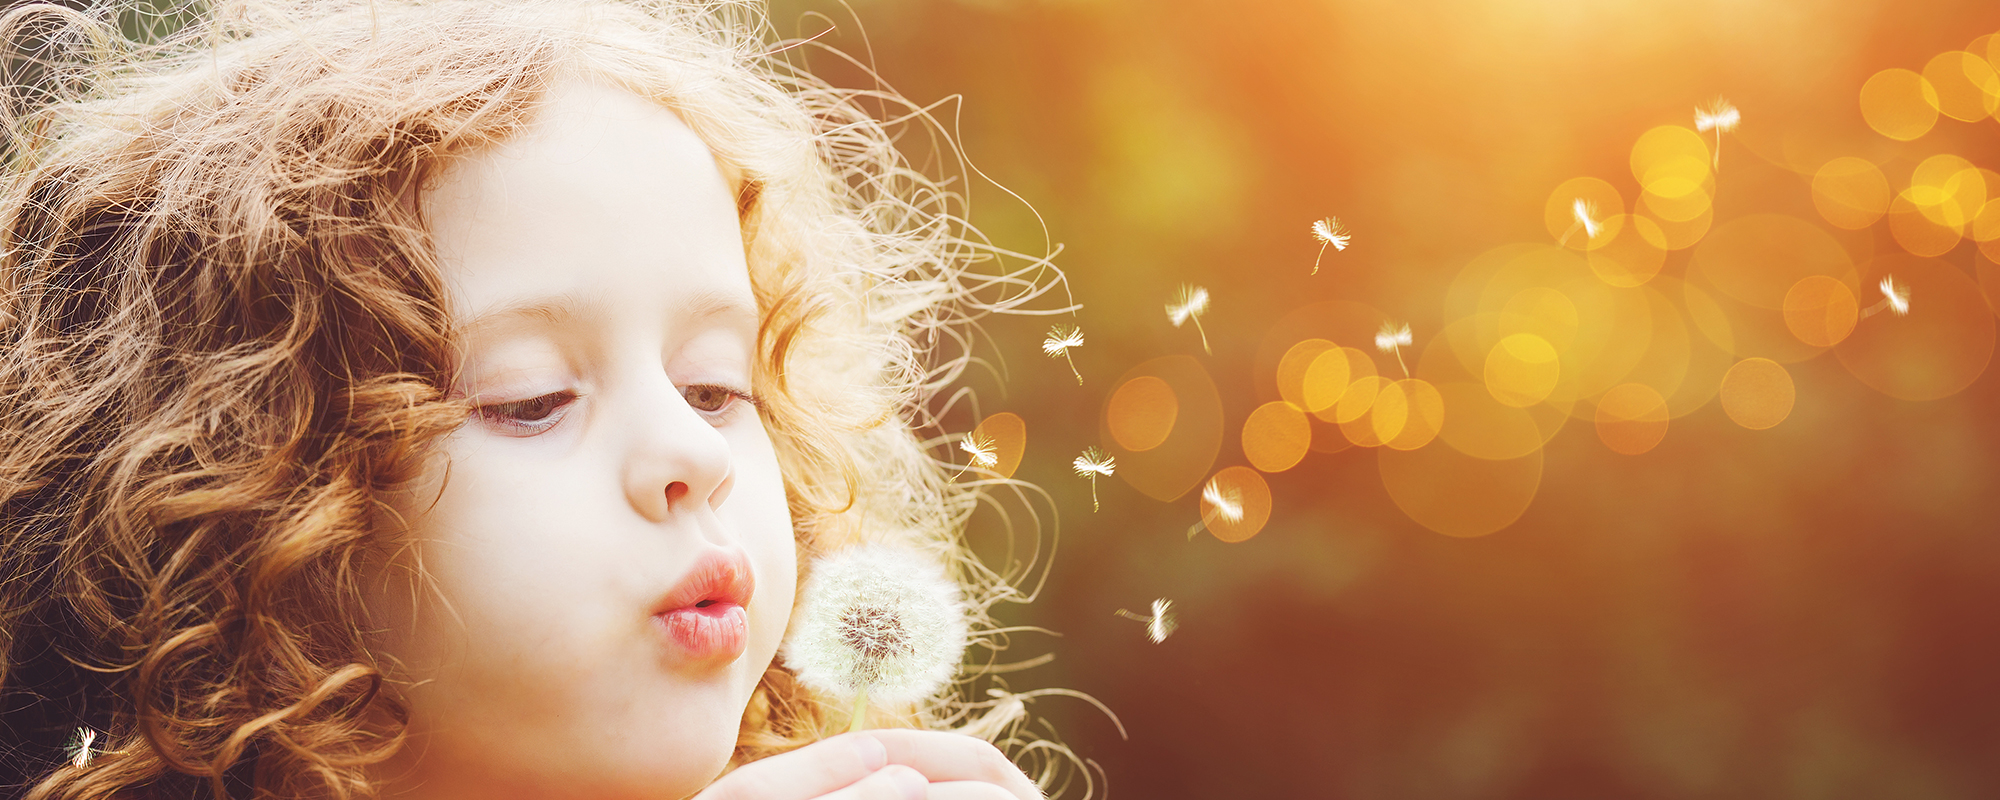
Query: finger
967, 790
808, 772
893, 782
944, 757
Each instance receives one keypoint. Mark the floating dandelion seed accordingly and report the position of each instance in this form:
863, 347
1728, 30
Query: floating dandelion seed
1721, 118
876, 623
80, 753
1188, 304
1895, 297
983, 452
1160, 624
1226, 502
1391, 339
1092, 463
1328, 232
1585, 213
1061, 339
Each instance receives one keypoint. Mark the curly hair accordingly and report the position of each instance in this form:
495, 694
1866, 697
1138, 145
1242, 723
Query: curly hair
226, 338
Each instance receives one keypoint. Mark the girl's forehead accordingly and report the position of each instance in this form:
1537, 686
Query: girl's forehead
606, 198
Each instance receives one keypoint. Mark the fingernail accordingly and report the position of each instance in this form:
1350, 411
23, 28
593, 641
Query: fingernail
912, 783
873, 755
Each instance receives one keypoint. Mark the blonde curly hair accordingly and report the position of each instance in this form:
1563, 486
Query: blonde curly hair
225, 338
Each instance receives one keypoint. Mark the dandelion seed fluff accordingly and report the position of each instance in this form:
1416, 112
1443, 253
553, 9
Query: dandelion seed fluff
877, 619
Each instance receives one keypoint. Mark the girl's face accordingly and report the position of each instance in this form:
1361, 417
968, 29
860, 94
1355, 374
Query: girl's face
612, 545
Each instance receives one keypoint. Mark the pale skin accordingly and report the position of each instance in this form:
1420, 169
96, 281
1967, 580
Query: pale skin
615, 444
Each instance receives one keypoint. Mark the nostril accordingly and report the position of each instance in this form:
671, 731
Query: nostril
676, 491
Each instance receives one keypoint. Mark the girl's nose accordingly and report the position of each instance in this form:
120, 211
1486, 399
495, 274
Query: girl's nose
676, 462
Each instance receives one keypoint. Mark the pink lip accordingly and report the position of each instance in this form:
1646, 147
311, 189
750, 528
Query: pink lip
703, 616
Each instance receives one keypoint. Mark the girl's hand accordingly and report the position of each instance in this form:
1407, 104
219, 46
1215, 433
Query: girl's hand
886, 764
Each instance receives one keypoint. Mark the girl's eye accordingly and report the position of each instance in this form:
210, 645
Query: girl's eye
713, 400
528, 417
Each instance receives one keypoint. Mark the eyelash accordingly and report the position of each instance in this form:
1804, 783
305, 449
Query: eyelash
507, 415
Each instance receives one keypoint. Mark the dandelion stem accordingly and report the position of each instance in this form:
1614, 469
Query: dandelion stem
1322, 254
1204, 336
1072, 368
1093, 493
1875, 309
1399, 361
860, 710
1197, 527
1718, 148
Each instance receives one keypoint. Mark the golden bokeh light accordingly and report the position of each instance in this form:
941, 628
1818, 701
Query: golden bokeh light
1681, 235
1522, 370
1671, 163
1850, 193
1292, 370
1756, 259
1249, 498
1966, 86
1938, 349
1455, 494
1634, 254
1758, 393
1664, 363
1173, 462
1009, 435
1485, 428
1424, 415
1899, 104
1329, 377
1631, 418
1701, 376
1141, 413
1355, 411
1276, 436
1948, 189
1820, 311
1600, 198
1390, 413
1542, 311
1917, 233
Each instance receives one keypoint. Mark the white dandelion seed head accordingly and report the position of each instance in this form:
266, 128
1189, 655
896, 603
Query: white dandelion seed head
1189, 302
1228, 502
1328, 230
877, 618
1391, 337
1721, 116
1585, 212
1094, 462
1162, 623
1061, 339
982, 450
1897, 295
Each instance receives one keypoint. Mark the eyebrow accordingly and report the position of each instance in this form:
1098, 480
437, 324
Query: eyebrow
698, 307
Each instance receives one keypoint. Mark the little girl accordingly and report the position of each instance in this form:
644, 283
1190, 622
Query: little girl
444, 400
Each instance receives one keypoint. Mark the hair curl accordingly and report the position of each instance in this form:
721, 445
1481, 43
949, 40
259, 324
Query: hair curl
225, 338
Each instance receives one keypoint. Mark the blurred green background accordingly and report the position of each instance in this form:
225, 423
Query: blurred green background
1809, 611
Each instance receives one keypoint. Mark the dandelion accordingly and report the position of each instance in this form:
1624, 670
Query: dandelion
1160, 624
1720, 117
1091, 464
876, 623
1585, 213
1391, 339
982, 449
80, 753
1895, 297
1226, 504
1189, 303
1061, 339
1328, 232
